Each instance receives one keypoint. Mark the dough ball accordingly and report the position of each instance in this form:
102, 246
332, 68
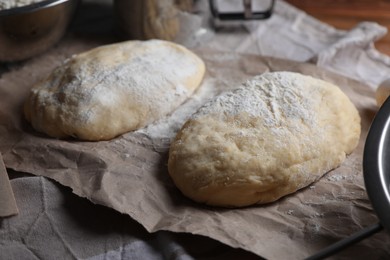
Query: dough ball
382, 92
113, 89
274, 135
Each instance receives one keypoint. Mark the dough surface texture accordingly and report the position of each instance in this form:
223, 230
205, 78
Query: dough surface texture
277, 133
113, 89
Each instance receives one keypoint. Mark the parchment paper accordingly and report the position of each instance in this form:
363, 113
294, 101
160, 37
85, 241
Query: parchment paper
7, 200
53, 223
129, 173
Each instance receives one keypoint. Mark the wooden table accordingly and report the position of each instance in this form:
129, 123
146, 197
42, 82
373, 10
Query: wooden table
345, 14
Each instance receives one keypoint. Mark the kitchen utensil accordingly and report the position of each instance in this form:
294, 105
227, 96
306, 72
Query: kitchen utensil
29, 30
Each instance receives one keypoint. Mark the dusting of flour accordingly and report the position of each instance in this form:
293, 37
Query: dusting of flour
271, 96
283, 101
160, 91
114, 89
170, 125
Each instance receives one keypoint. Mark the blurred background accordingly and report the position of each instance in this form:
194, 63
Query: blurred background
345, 14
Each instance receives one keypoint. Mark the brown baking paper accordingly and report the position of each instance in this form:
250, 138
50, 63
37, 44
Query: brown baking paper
7, 200
129, 173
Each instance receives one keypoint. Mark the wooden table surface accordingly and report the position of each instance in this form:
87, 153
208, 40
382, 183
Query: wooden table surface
346, 14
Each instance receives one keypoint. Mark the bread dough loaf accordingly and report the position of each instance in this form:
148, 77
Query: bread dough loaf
275, 134
113, 89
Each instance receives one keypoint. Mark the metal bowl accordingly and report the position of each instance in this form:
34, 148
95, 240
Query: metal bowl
30, 30
376, 164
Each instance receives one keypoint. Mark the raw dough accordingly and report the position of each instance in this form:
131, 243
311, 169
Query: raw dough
113, 89
275, 134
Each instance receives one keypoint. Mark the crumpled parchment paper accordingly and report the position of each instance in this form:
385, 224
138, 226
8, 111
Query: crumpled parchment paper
129, 173
53, 223
8, 205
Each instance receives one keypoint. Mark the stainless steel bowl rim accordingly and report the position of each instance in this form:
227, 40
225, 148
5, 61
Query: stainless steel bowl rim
376, 164
31, 8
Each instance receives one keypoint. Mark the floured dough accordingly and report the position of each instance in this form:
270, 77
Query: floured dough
275, 134
113, 89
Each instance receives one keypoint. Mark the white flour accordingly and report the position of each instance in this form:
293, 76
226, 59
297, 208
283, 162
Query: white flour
161, 91
130, 83
255, 98
8, 4
170, 125
272, 96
